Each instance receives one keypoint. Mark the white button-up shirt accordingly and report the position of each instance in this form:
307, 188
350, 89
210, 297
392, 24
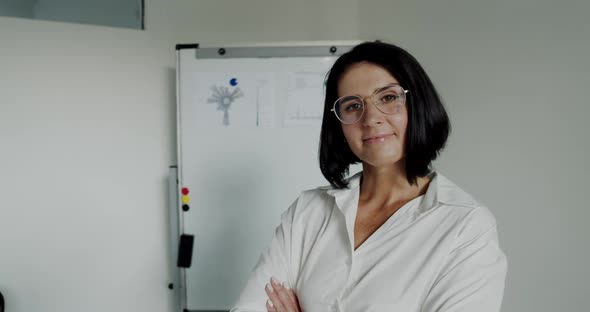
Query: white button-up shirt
437, 253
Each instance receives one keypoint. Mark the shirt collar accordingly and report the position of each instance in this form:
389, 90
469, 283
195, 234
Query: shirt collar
440, 191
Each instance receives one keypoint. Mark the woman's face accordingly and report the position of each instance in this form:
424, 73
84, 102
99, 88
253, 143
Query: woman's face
377, 139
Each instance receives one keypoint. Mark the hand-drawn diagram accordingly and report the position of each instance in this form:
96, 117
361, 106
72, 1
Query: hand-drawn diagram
224, 98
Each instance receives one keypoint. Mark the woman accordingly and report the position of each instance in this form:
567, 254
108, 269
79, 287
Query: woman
396, 236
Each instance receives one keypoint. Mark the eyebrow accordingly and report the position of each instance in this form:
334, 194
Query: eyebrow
380, 88
384, 87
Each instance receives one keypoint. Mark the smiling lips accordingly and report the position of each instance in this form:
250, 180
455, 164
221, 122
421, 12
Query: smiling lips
376, 139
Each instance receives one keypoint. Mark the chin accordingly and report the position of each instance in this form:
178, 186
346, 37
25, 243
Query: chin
386, 162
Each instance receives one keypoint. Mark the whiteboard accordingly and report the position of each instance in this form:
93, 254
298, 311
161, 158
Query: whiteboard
248, 130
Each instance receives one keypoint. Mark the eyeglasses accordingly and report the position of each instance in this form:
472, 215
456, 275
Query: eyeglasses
388, 100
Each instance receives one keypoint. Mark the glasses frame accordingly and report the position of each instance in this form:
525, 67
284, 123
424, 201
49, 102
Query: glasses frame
363, 101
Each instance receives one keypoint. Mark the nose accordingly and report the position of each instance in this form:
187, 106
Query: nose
372, 116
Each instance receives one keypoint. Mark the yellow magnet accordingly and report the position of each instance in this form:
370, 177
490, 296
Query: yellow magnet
185, 199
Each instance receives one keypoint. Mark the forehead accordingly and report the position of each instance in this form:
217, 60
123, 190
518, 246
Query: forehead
363, 79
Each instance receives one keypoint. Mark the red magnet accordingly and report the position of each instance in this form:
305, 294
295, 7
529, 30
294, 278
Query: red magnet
184, 191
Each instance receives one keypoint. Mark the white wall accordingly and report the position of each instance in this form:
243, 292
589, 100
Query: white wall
86, 132
223, 21
87, 135
514, 75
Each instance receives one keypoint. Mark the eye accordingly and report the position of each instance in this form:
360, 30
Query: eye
388, 98
353, 107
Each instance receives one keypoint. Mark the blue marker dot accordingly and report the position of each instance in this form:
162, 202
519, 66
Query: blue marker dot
233, 82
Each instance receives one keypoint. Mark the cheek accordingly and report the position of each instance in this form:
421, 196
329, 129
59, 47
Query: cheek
400, 124
351, 135
348, 131
402, 127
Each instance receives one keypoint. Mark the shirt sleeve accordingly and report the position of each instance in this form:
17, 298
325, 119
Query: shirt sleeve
473, 277
274, 261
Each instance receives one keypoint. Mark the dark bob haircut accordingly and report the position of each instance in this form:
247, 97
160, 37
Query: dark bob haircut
428, 123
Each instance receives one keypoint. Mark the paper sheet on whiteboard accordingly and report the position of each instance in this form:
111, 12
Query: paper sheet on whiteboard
305, 99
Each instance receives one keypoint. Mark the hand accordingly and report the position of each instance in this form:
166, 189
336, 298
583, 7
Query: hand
281, 298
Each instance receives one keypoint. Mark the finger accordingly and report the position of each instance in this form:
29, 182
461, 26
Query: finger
290, 296
274, 298
284, 296
269, 306
294, 298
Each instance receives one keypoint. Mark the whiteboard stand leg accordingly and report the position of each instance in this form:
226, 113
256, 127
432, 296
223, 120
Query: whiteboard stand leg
178, 281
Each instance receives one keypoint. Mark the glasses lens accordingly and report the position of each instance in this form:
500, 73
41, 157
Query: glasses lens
390, 99
349, 109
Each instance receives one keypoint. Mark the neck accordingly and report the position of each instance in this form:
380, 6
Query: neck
383, 187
